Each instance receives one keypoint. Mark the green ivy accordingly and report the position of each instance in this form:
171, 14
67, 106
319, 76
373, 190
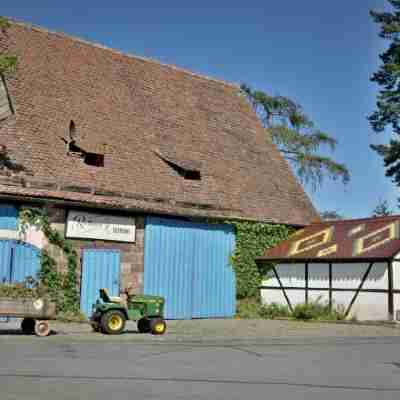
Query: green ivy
61, 286
252, 239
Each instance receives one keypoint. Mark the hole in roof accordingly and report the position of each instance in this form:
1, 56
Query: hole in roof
94, 159
72, 130
187, 173
192, 175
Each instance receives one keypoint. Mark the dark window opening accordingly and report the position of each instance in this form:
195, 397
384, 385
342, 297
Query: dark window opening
192, 175
73, 148
189, 174
93, 159
72, 130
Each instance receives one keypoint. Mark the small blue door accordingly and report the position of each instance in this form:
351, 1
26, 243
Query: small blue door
100, 269
188, 263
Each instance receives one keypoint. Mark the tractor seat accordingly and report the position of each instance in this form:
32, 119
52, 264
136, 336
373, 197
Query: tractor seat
105, 296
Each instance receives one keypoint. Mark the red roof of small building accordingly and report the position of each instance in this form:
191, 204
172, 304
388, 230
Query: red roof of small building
346, 240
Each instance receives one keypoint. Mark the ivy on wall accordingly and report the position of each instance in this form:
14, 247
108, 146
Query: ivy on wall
252, 239
61, 286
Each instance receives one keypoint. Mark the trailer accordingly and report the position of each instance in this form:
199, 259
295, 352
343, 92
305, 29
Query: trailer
35, 313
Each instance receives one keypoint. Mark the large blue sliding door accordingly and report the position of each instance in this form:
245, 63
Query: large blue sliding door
188, 264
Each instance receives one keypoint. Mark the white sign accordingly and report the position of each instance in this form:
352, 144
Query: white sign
87, 225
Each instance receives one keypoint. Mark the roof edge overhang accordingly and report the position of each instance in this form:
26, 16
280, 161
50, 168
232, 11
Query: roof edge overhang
149, 209
352, 260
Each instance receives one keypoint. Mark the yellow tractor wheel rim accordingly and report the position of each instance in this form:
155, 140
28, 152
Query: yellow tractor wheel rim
115, 322
159, 328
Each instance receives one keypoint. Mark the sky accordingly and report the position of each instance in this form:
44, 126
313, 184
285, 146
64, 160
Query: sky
318, 53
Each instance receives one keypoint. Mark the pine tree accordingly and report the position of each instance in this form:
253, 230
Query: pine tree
297, 138
387, 113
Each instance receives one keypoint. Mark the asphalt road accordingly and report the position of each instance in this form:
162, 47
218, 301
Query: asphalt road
61, 367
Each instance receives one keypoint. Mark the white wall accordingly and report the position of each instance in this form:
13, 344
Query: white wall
31, 236
368, 306
396, 284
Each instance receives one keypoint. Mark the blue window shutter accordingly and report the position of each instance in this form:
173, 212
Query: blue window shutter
8, 217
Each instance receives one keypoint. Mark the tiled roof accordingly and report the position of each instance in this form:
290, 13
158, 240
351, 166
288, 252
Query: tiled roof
369, 238
150, 121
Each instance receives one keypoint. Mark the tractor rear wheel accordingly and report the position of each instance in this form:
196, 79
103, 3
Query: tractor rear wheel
28, 326
113, 322
143, 325
158, 326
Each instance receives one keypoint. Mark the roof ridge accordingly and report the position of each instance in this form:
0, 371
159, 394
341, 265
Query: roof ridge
349, 220
122, 53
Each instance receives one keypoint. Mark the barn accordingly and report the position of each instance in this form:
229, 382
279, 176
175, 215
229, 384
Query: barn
140, 165
352, 264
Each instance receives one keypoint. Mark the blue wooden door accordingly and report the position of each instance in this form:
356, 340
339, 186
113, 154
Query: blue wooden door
188, 264
18, 261
5, 260
100, 269
214, 287
25, 262
168, 267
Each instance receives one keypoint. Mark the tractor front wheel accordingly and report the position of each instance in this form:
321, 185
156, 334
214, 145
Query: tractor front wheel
158, 326
113, 322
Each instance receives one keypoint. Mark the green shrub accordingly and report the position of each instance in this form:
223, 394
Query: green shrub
27, 289
252, 309
248, 308
274, 310
317, 310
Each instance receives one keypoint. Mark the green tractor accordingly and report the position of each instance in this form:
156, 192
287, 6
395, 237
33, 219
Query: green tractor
110, 314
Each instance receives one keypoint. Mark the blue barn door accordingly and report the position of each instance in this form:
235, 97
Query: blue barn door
5, 260
100, 269
214, 291
168, 265
26, 262
18, 261
188, 264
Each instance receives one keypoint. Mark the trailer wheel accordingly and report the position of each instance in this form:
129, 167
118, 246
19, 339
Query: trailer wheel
42, 328
113, 322
158, 326
143, 325
28, 326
